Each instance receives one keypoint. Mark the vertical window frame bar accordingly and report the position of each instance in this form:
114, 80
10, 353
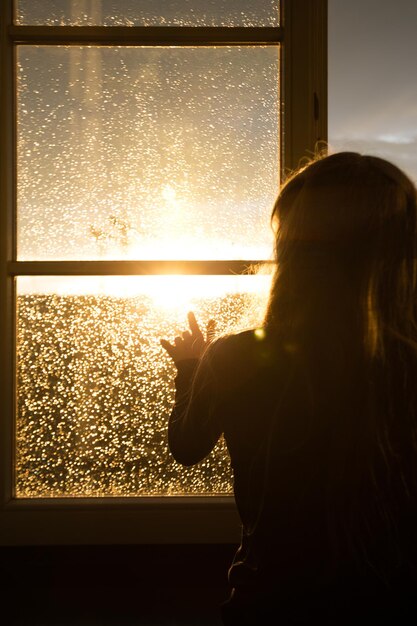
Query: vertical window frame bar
304, 82
7, 251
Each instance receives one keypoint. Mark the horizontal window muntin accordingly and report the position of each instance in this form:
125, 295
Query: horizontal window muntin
153, 36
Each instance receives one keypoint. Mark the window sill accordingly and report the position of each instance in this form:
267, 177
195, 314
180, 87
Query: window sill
69, 521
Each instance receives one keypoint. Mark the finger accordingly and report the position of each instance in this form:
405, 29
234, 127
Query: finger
186, 334
210, 329
178, 341
195, 328
167, 346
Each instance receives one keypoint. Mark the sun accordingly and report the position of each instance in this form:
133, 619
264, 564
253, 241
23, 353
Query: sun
171, 292
169, 193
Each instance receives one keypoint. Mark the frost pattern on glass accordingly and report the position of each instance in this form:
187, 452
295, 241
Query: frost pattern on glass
145, 153
148, 12
95, 387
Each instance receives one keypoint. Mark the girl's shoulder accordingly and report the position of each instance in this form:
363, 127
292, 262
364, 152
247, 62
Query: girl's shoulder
254, 348
233, 344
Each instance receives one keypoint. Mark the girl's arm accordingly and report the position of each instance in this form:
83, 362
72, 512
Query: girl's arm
194, 425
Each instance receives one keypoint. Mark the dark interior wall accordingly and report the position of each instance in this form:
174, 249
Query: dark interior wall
115, 585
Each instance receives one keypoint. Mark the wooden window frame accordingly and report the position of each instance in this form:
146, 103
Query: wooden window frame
302, 37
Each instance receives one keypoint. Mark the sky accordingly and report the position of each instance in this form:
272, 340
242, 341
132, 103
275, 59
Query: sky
373, 78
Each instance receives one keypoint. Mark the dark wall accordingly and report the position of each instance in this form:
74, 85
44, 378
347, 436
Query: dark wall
115, 585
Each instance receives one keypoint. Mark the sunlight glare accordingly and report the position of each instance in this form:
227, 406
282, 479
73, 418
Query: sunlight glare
169, 291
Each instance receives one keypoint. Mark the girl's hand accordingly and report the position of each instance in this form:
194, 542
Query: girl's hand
189, 345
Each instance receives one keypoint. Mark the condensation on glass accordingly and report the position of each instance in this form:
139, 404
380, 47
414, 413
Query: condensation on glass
147, 12
141, 153
95, 387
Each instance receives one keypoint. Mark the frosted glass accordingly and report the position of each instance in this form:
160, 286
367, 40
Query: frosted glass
95, 387
148, 12
135, 152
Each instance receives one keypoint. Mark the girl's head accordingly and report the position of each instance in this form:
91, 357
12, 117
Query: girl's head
350, 201
347, 224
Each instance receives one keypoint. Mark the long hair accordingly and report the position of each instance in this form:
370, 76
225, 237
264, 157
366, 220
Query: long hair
344, 296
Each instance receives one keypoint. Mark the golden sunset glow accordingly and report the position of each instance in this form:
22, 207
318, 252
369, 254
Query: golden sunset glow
169, 291
163, 152
92, 372
133, 153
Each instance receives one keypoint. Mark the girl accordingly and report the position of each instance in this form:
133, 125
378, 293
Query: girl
319, 409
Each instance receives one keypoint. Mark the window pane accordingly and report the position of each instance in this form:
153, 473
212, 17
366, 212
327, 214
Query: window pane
148, 12
95, 387
146, 152
373, 79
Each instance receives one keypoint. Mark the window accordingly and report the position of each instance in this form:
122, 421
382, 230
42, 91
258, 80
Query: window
143, 148
372, 86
